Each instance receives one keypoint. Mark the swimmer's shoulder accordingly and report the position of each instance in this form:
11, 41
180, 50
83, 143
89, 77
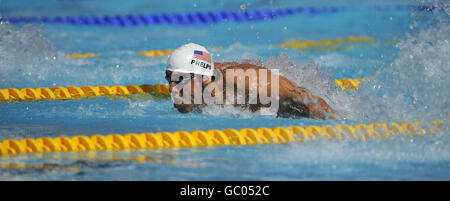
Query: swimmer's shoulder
223, 65
235, 65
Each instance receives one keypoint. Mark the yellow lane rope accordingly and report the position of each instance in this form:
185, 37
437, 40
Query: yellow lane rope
150, 53
323, 45
153, 53
308, 45
73, 92
81, 55
349, 83
227, 137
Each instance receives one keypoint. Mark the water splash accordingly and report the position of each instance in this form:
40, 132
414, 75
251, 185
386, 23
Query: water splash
310, 76
415, 85
24, 51
30, 60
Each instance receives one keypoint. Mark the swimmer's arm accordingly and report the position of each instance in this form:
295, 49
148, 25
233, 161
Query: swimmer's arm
302, 98
318, 108
289, 92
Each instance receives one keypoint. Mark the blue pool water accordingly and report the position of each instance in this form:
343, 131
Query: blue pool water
406, 71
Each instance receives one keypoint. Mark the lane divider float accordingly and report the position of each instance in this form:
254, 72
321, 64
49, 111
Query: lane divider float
81, 55
349, 83
151, 53
210, 17
323, 45
307, 45
74, 92
227, 137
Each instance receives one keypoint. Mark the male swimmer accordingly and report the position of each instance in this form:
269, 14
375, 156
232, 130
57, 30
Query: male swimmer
196, 81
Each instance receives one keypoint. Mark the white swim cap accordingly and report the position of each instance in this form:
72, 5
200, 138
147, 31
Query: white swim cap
191, 58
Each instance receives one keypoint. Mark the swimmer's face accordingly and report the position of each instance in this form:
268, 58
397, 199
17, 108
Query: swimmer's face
178, 84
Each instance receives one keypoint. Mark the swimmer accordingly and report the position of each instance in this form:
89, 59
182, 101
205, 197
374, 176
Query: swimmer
195, 79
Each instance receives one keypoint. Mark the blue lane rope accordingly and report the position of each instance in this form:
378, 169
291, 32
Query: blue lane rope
188, 18
192, 18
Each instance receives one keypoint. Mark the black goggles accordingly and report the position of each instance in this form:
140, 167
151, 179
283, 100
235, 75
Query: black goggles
180, 77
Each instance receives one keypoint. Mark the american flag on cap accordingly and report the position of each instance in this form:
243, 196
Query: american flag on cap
202, 55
